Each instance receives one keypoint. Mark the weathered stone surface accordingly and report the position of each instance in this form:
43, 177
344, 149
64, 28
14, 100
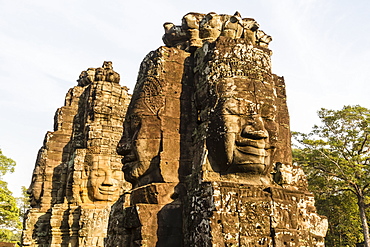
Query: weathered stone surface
153, 131
207, 145
157, 129
78, 173
244, 190
197, 29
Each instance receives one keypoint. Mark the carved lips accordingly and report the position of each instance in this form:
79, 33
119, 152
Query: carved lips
107, 190
250, 151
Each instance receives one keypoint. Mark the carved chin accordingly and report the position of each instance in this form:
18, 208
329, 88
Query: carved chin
134, 170
250, 168
108, 198
104, 194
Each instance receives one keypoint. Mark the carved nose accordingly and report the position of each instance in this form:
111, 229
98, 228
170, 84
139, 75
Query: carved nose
254, 129
108, 181
252, 133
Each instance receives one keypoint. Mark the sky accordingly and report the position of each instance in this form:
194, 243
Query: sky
321, 47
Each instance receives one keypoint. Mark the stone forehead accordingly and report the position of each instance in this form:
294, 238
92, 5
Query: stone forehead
97, 165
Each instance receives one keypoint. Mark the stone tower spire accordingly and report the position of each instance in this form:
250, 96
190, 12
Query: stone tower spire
206, 145
78, 173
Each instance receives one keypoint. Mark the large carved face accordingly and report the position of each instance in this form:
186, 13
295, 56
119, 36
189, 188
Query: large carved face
140, 146
104, 183
141, 141
242, 128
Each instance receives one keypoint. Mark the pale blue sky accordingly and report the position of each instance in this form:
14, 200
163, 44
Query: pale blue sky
321, 47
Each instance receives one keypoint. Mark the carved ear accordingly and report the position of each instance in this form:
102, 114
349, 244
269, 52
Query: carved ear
237, 14
86, 171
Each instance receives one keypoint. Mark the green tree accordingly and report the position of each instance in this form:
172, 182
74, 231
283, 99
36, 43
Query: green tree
9, 212
23, 202
336, 155
339, 206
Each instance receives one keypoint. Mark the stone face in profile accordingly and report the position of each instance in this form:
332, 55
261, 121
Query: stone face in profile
152, 132
141, 141
156, 146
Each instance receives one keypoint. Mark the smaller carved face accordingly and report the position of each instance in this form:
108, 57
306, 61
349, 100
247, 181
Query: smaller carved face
104, 183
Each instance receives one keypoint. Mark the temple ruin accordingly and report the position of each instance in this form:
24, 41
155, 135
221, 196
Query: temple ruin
205, 147
78, 173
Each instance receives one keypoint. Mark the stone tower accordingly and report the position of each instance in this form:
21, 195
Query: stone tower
78, 173
206, 145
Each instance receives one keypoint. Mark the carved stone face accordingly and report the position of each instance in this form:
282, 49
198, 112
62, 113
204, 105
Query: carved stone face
143, 134
242, 128
104, 183
140, 146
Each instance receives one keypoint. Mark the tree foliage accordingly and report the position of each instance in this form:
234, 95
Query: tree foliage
336, 156
23, 203
6, 164
339, 206
9, 212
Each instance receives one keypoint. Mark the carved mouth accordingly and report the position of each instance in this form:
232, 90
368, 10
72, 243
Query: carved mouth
129, 158
260, 144
247, 156
252, 150
107, 191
